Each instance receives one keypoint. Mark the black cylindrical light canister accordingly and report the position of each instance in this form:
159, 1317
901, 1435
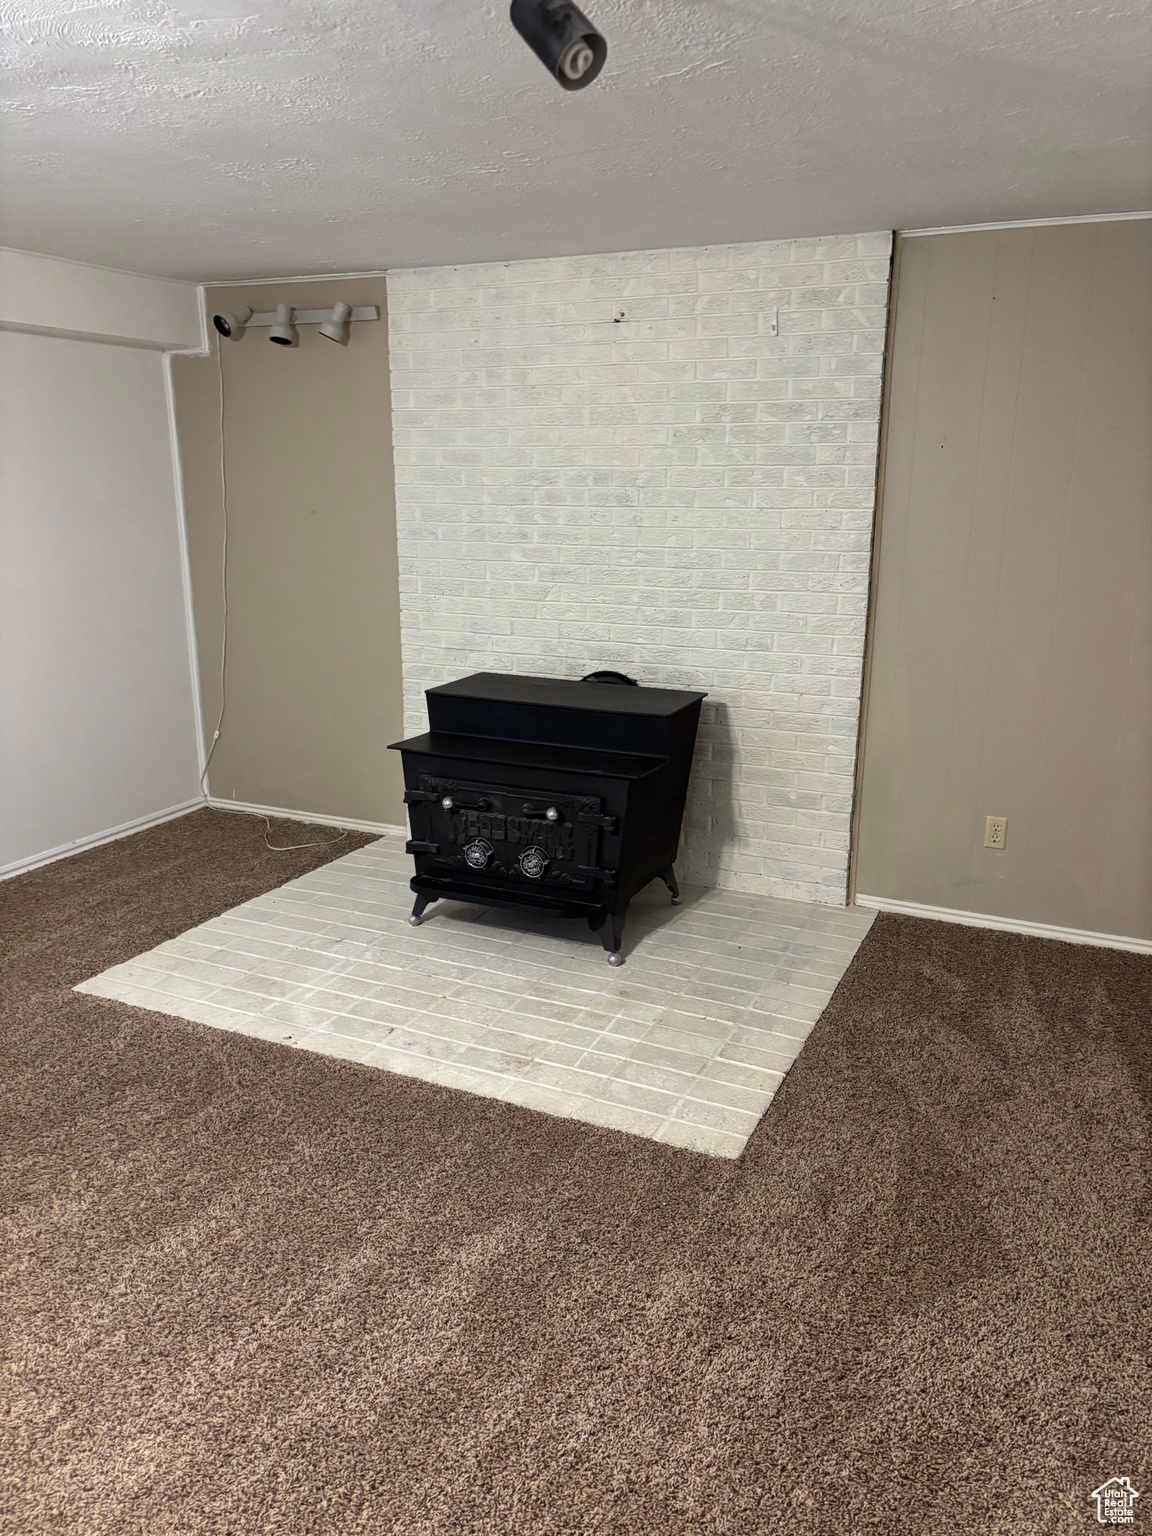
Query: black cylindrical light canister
563, 38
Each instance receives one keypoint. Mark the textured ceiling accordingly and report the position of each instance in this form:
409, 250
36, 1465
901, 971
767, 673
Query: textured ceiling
229, 138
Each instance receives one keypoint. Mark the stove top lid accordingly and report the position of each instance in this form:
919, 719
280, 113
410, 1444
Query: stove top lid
561, 693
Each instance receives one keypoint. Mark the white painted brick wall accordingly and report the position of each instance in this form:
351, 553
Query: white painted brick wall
679, 495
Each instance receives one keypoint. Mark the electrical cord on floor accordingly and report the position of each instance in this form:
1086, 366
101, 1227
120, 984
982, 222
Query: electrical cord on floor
275, 847
293, 847
325, 842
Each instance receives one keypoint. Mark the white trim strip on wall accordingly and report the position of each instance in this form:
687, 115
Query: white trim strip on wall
299, 277
309, 818
185, 565
94, 266
1005, 924
967, 229
97, 839
206, 329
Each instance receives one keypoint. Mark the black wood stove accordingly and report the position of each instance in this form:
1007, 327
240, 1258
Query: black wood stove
553, 796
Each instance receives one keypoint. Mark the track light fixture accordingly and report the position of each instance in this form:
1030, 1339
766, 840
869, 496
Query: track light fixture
562, 38
283, 321
283, 333
336, 325
231, 322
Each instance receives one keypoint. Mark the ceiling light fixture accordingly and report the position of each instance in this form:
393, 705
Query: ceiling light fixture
231, 322
336, 325
562, 38
283, 333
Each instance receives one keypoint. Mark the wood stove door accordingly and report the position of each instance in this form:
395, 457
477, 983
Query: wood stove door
528, 837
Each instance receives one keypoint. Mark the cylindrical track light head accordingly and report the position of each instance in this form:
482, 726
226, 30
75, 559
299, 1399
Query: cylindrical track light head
231, 322
283, 333
563, 38
336, 325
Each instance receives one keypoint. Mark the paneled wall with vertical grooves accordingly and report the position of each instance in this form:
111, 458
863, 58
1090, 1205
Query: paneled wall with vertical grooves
1011, 661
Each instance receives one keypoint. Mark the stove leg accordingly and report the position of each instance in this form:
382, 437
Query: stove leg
611, 931
669, 879
421, 906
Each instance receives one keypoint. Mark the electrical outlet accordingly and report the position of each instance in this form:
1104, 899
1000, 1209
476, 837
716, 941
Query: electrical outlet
995, 831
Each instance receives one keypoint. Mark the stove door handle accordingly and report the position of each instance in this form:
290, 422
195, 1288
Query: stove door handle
534, 813
412, 846
605, 823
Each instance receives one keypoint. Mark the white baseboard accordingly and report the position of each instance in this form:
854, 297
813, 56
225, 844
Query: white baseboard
310, 818
1005, 924
112, 835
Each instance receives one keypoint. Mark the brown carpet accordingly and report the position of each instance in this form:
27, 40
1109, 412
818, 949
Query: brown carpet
254, 1292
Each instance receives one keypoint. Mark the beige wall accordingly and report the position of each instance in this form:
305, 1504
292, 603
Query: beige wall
96, 707
313, 679
1011, 658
